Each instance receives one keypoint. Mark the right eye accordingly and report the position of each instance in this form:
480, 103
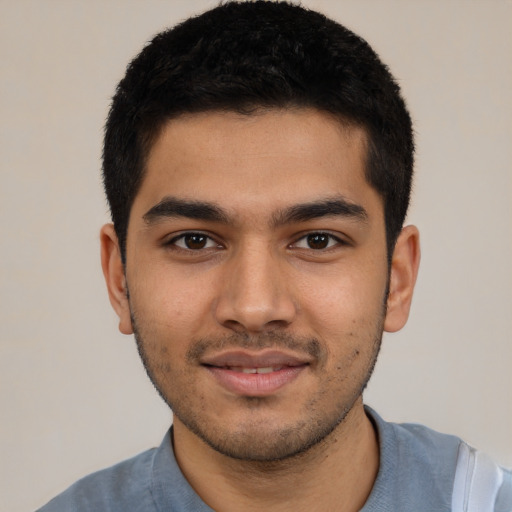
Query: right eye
193, 242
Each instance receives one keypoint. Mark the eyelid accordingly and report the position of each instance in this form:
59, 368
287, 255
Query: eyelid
338, 240
335, 240
172, 241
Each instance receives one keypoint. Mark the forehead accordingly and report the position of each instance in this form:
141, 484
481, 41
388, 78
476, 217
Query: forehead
268, 159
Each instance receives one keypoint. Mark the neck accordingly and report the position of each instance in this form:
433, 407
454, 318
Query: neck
336, 474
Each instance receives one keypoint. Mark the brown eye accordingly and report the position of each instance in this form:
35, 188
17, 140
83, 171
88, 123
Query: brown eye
318, 241
193, 241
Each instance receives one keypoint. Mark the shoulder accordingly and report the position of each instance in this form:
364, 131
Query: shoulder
124, 486
148, 482
423, 452
424, 470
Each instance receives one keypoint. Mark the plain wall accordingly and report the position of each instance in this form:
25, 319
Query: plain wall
73, 394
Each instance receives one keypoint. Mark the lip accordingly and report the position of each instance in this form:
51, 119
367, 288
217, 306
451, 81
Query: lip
255, 374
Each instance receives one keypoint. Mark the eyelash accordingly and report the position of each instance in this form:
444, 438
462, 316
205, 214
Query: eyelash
210, 242
332, 240
183, 236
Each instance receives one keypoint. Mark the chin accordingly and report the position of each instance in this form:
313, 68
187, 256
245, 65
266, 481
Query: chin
265, 440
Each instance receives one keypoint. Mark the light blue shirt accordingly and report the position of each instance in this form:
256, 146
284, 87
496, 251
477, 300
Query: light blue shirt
416, 474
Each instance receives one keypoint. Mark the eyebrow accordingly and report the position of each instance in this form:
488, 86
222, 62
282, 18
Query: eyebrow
172, 207
335, 207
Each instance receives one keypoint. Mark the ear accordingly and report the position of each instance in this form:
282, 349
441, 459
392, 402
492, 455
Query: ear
113, 270
404, 270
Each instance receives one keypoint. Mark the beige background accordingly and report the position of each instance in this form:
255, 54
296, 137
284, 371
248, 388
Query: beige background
73, 395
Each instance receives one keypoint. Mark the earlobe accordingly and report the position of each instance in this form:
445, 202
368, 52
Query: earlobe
404, 270
113, 271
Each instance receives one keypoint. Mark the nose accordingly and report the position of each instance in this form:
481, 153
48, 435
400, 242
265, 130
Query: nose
255, 293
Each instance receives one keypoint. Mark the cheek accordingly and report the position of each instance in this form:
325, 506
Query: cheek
345, 301
167, 303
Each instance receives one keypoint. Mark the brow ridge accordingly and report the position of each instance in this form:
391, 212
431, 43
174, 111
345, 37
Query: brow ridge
172, 207
335, 207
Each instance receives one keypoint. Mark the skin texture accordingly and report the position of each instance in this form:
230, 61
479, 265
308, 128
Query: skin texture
254, 276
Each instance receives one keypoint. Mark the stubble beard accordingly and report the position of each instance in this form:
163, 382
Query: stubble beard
254, 442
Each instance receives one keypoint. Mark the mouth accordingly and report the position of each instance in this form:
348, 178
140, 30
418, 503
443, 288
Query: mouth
255, 374
241, 369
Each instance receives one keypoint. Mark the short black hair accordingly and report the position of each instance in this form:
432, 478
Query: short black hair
252, 55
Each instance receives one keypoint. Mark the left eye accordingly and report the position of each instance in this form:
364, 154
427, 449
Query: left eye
317, 241
193, 241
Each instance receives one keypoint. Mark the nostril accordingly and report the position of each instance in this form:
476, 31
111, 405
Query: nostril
255, 327
234, 325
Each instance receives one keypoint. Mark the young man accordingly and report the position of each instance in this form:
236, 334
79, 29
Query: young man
258, 164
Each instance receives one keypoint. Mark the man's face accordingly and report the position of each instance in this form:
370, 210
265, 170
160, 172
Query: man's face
257, 275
